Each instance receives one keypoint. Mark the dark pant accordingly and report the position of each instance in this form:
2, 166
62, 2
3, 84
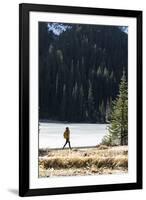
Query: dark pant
67, 141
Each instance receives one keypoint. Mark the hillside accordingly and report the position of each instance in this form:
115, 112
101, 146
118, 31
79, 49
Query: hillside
80, 68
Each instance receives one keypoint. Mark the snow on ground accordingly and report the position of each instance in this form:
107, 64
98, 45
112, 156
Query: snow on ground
51, 134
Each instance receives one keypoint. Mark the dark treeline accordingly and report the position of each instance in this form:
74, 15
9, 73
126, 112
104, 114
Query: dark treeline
80, 70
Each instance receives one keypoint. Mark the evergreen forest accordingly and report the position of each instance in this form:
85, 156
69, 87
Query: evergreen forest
80, 70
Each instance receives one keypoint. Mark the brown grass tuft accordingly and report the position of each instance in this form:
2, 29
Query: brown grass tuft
79, 162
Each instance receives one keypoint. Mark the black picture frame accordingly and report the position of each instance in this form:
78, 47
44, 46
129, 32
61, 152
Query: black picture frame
24, 120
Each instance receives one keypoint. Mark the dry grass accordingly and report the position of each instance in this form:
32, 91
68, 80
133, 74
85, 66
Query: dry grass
79, 162
84, 161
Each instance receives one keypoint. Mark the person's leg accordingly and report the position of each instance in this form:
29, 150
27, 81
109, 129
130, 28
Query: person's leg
65, 144
69, 144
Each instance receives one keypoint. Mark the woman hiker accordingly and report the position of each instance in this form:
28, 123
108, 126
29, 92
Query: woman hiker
67, 137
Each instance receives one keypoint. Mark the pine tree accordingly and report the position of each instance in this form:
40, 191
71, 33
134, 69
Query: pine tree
99, 72
81, 103
91, 110
108, 110
118, 127
74, 101
57, 80
102, 111
63, 103
59, 55
105, 72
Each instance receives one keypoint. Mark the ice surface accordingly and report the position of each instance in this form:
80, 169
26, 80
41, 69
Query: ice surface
51, 134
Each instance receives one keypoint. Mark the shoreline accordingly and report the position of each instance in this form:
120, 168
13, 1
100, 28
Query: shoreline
67, 122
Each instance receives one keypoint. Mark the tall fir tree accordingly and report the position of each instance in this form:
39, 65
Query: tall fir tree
91, 110
118, 128
108, 110
63, 104
102, 111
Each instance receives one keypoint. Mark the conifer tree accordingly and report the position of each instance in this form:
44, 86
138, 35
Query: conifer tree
81, 103
108, 110
118, 127
63, 104
91, 110
102, 111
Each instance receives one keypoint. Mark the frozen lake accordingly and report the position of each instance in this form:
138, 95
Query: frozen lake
51, 134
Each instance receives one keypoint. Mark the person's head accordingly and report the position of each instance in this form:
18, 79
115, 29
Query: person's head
67, 128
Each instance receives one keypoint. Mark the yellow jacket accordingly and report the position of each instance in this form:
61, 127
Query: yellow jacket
67, 134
